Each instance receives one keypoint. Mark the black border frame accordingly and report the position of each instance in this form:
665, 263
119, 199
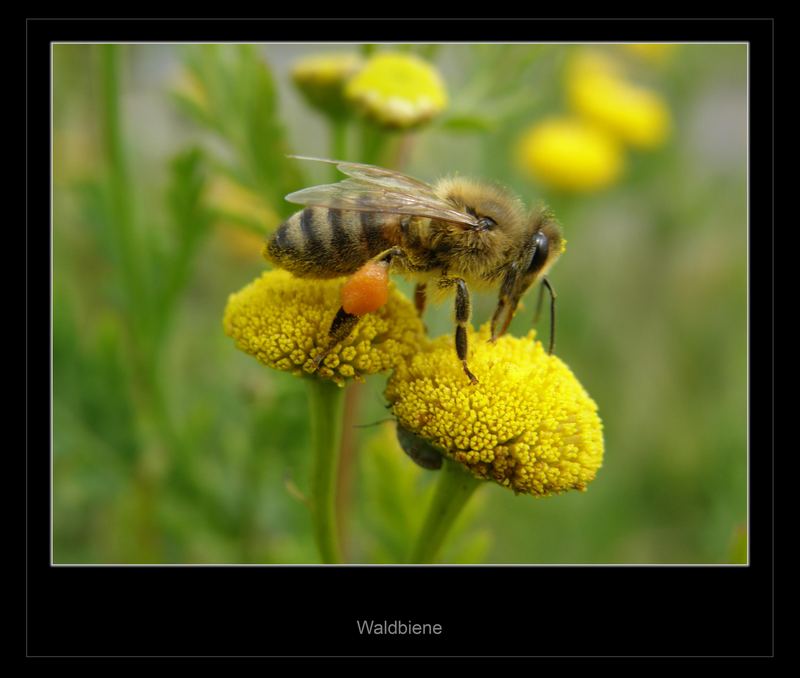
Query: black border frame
287, 611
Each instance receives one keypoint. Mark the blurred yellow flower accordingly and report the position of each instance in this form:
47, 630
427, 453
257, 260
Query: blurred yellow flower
283, 322
231, 199
593, 62
570, 154
398, 90
597, 91
528, 424
654, 52
243, 218
322, 77
240, 243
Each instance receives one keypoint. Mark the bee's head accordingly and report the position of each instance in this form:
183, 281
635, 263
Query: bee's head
546, 244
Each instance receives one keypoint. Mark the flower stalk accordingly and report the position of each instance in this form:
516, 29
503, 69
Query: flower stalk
373, 143
453, 489
326, 401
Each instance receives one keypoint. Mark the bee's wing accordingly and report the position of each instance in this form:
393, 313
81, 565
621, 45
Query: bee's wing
376, 189
376, 175
360, 196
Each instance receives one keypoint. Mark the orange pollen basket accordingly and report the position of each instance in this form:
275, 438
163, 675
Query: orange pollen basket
367, 289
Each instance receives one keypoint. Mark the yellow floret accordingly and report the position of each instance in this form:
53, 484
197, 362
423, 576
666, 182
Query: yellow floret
570, 154
283, 321
528, 424
398, 90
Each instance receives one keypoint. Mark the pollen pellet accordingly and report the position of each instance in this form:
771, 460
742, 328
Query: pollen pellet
367, 289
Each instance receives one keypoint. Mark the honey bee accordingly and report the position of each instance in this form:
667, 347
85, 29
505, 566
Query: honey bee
455, 234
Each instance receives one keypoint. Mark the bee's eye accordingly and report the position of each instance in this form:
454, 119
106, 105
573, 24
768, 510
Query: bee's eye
486, 223
540, 255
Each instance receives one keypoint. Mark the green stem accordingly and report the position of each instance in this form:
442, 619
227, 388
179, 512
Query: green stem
454, 488
373, 143
327, 405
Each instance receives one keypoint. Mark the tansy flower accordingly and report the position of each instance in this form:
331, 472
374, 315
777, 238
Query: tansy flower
528, 424
398, 90
597, 91
321, 79
570, 154
283, 321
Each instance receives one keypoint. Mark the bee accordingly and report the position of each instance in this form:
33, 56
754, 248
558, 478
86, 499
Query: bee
457, 234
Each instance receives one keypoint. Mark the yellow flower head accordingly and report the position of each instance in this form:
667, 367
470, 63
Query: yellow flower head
283, 321
321, 78
597, 91
398, 90
571, 155
528, 424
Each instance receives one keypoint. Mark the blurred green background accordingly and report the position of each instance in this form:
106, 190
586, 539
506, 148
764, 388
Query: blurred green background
170, 446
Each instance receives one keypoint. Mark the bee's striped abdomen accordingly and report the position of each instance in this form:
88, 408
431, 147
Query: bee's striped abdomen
341, 239
321, 242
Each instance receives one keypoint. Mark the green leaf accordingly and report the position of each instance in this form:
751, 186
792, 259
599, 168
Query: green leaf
238, 103
467, 123
91, 379
171, 251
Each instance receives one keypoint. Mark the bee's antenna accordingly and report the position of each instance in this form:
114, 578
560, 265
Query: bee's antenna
539, 300
308, 157
546, 283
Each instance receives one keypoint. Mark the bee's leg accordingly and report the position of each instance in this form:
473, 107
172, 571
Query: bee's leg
506, 304
392, 253
341, 327
399, 254
462, 318
419, 298
546, 283
345, 322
